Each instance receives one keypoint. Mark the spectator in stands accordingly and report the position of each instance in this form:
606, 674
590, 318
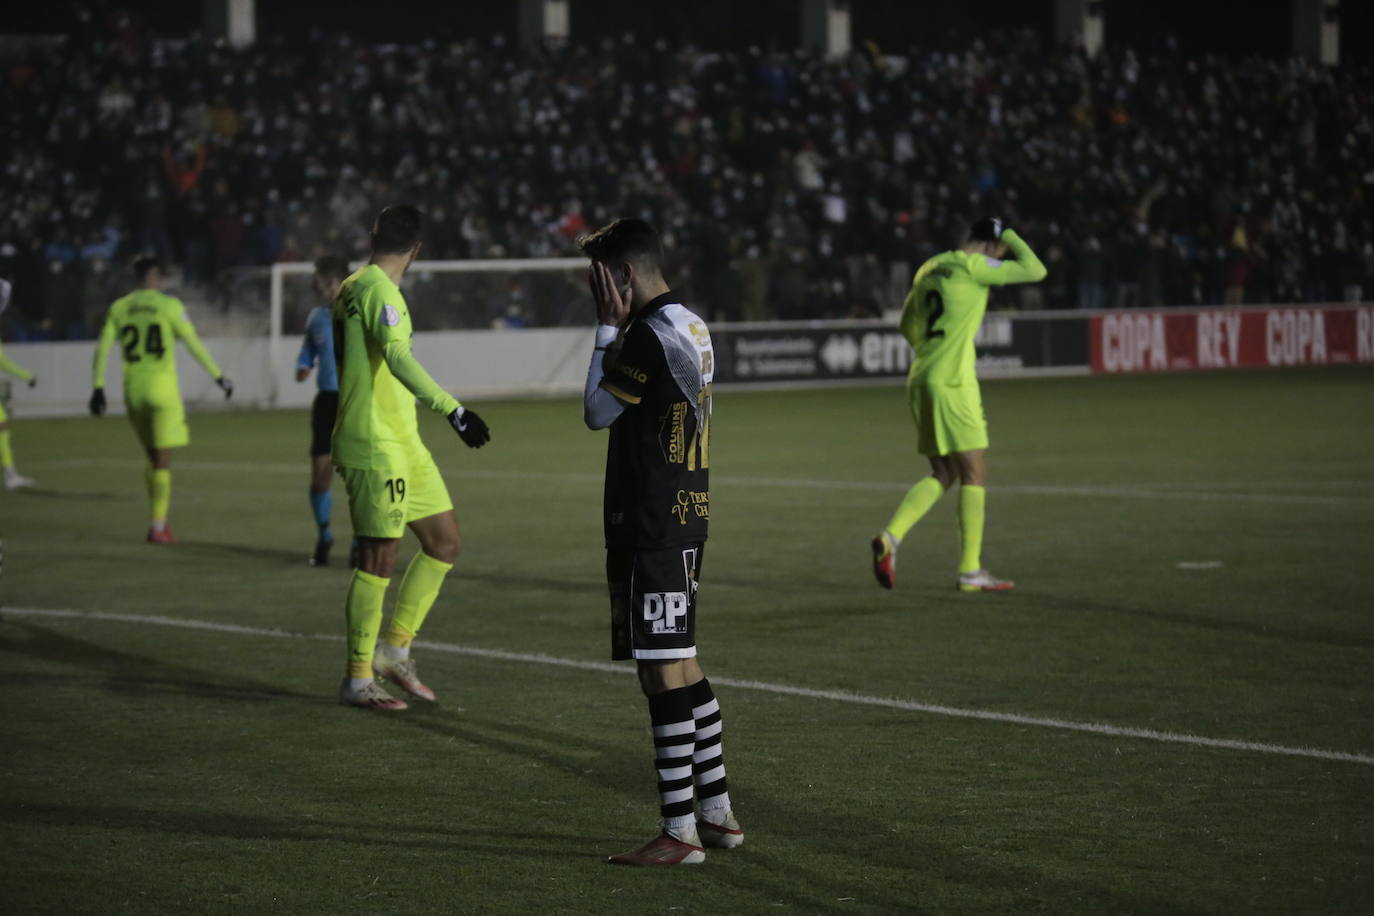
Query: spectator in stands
217, 158
1092, 272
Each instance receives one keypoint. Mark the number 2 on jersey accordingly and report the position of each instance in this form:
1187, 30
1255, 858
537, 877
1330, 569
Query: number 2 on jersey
936, 304
152, 342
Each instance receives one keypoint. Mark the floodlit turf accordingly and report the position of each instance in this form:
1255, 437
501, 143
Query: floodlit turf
150, 769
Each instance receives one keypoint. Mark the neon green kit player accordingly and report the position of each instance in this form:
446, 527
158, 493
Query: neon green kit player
940, 318
13, 479
148, 323
390, 476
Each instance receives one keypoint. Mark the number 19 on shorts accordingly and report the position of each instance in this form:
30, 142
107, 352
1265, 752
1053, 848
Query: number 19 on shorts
396, 489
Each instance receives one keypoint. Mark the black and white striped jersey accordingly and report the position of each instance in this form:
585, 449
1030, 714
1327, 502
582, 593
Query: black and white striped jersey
658, 458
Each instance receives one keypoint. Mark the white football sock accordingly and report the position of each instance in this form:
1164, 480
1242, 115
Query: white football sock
719, 812
682, 828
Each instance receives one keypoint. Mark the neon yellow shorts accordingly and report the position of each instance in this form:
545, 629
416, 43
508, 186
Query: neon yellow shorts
4, 417
159, 422
382, 502
949, 418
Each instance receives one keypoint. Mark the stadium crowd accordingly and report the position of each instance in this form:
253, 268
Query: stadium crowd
794, 187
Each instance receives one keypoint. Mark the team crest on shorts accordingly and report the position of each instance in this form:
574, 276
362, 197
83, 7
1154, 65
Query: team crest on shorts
395, 516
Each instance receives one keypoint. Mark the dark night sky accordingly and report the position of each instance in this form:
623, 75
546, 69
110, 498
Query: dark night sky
1199, 25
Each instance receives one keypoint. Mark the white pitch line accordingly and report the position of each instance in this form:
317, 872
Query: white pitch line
1142, 491
838, 696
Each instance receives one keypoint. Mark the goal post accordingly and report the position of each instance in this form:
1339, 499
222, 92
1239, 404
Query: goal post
449, 295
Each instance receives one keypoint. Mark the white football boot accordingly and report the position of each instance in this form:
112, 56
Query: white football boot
370, 696
402, 673
16, 481
980, 580
722, 833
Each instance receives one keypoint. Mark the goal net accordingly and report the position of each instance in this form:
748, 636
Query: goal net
514, 294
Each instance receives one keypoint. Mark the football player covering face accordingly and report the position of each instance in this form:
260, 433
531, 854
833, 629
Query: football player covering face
649, 382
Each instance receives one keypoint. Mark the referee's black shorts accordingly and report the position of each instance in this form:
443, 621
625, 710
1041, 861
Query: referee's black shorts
322, 414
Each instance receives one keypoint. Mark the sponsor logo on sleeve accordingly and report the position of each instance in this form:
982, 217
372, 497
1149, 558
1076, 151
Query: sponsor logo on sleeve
390, 316
632, 372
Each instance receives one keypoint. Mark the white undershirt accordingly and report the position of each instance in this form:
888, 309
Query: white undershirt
599, 407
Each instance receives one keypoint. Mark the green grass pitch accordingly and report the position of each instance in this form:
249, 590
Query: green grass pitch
156, 769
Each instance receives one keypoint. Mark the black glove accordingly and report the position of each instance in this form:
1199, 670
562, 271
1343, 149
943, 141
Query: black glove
226, 386
470, 427
97, 403
33, 382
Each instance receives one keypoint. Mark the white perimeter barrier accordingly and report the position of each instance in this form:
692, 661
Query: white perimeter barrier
552, 361
470, 363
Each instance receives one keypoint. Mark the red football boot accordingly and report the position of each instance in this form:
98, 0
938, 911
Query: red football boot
161, 535
885, 560
662, 850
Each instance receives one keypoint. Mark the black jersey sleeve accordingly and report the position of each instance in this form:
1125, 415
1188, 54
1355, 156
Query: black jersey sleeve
632, 368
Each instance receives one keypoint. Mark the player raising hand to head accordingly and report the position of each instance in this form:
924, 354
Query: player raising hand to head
940, 318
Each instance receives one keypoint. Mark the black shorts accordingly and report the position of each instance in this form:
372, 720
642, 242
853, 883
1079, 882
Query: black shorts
653, 601
322, 414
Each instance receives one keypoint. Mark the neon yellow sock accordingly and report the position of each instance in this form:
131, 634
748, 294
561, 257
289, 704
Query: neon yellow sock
915, 504
971, 503
363, 611
419, 588
159, 492
6, 455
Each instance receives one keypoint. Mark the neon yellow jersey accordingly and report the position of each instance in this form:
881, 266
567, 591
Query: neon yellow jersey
946, 304
13, 368
148, 323
379, 379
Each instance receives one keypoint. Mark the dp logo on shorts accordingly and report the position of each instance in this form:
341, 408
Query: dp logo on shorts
666, 612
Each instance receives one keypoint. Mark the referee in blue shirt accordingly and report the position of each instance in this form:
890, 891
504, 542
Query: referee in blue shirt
318, 349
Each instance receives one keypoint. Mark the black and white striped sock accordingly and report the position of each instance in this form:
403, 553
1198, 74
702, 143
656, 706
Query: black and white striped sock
708, 762
674, 731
